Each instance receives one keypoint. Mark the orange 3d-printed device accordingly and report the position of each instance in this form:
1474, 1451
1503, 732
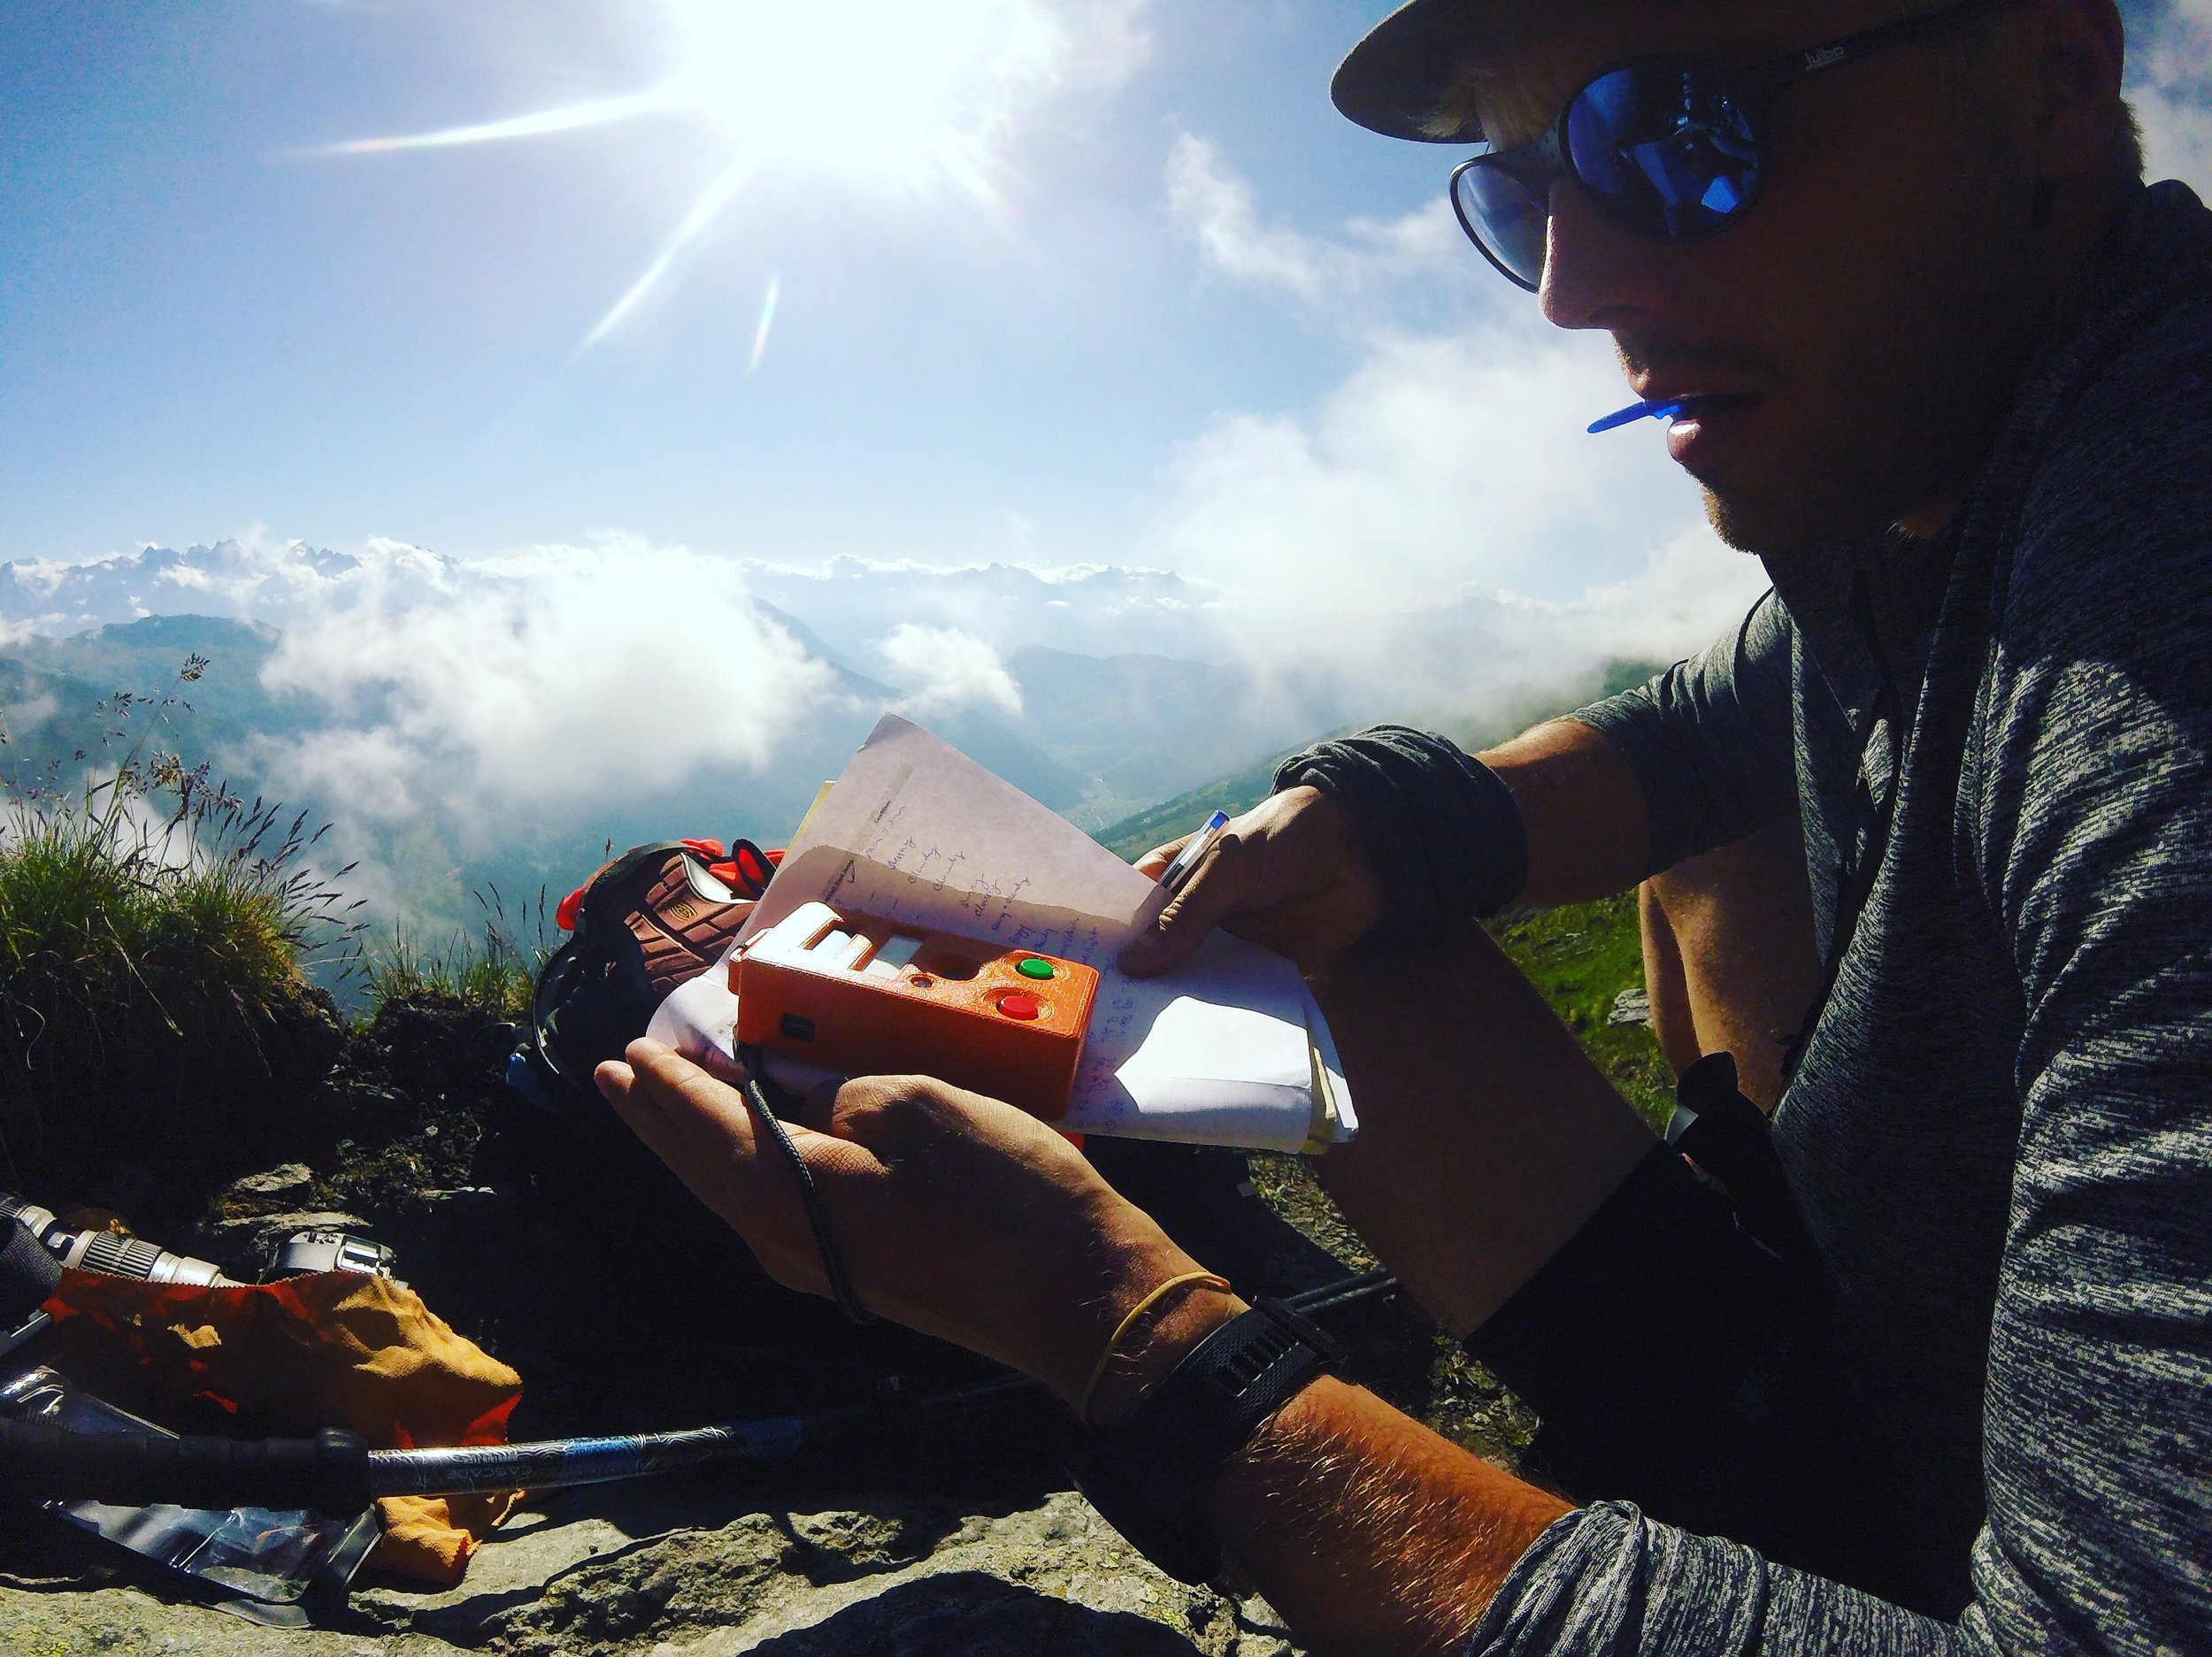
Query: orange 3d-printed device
866, 997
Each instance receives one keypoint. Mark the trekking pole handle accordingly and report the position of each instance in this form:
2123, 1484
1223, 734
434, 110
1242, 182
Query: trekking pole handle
42, 1460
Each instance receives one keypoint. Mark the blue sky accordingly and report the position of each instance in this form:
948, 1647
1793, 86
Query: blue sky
206, 327
1169, 313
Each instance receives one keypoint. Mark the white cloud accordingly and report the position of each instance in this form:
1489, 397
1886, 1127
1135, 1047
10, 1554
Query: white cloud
1480, 652
1442, 533
1442, 459
1440, 530
1214, 205
1690, 590
559, 676
947, 670
2169, 82
19, 719
373, 773
1054, 47
1089, 608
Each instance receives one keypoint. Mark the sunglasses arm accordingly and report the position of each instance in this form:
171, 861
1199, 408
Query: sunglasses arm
1760, 86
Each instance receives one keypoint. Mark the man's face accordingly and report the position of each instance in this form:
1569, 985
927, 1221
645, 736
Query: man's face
1874, 306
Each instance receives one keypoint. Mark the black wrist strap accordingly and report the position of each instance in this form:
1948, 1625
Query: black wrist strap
1148, 1476
1439, 827
770, 1120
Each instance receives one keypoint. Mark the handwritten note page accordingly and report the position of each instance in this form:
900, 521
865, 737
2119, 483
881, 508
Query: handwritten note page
1222, 1051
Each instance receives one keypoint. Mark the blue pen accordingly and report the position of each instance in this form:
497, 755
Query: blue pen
1650, 409
1178, 874
1175, 874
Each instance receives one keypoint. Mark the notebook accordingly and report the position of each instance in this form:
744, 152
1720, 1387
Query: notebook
1228, 1050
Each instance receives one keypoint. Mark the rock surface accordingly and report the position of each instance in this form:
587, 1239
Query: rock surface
685, 1570
290, 1180
560, 1245
241, 1245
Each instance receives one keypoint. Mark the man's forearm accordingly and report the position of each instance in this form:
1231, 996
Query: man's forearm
1582, 808
1368, 1531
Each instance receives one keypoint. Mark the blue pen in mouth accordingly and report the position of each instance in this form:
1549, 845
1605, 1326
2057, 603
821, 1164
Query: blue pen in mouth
1665, 409
1650, 409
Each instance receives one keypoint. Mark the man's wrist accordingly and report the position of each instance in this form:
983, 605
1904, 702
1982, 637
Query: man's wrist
1143, 1357
1107, 1387
1150, 1475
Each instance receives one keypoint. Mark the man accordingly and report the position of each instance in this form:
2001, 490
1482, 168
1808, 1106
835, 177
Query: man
1940, 1363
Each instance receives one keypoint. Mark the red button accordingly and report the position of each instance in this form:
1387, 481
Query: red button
1019, 1006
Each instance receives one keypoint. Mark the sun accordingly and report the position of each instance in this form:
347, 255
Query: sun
899, 94
873, 88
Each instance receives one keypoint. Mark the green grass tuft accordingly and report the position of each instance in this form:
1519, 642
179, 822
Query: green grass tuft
1581, 957
492, 970
149, 921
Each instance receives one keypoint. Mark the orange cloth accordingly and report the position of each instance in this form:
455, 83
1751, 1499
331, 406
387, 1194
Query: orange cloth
430, 1538
331, 1349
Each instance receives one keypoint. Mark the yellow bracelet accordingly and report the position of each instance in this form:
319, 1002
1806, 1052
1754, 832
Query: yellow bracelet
1098, 1372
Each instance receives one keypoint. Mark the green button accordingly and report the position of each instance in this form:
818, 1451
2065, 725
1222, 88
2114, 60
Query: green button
1034, 967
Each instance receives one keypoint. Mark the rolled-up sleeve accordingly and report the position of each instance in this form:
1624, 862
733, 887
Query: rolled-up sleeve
1711, 739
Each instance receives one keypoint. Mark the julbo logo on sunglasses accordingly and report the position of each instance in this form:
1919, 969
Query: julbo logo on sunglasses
1671, 150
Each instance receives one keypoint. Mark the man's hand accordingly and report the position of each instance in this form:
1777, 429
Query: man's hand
1288, 874
955, 1214
966, 1218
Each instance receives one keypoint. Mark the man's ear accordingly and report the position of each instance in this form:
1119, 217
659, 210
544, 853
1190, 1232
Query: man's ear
2078, 50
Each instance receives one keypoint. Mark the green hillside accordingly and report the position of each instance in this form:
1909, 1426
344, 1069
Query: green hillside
1133, 836
1241, 790
1582, 957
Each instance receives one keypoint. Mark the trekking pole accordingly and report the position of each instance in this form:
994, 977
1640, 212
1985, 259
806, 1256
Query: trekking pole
336, 1472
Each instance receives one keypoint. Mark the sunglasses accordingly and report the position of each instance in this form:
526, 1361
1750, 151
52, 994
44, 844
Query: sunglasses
1671, 150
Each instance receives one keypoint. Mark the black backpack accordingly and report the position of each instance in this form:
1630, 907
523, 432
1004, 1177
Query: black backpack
653, 918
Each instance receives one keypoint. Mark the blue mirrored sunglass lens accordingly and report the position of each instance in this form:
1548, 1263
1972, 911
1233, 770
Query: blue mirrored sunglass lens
1507, 216
1669, 154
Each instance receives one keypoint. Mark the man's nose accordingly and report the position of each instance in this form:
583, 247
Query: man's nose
1597, 274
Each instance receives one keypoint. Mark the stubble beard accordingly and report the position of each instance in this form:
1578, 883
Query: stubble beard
1909, 426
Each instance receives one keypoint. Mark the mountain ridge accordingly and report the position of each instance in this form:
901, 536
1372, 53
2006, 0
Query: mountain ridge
56, 699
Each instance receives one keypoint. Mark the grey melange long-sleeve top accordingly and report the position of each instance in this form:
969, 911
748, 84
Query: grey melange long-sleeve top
2000, 1133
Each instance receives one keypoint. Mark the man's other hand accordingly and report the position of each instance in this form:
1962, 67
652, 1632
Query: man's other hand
1288, 874
955, 1214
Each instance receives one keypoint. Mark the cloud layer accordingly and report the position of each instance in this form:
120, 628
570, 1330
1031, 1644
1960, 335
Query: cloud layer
1440, 528
949, 670
533, 684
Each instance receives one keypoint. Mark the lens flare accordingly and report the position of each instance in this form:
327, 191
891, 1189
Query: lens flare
871, 92
704, 211
568, 119
767, 322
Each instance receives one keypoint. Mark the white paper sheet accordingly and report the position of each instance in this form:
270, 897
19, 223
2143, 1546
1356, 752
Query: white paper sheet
1229, 1049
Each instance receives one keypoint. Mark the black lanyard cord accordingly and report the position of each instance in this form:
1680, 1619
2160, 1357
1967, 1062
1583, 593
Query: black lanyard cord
766, 1114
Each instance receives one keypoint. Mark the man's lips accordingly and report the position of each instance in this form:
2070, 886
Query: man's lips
1696, 404
1699, 405
1703, 418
